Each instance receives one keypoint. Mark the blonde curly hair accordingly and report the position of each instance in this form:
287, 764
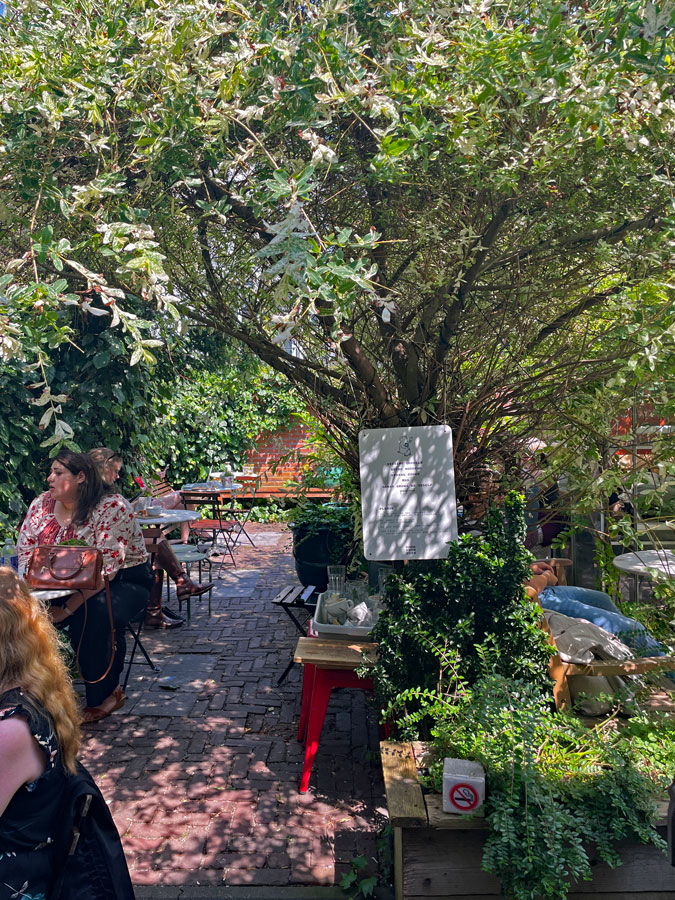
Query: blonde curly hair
30, 659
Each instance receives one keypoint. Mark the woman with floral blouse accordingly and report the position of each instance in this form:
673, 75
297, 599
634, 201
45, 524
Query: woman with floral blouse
77, 506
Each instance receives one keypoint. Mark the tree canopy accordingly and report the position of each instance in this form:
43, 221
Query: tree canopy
416, 212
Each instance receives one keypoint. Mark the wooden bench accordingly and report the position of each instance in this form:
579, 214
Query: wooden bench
272, 491
561, 671
159, 489
296, 597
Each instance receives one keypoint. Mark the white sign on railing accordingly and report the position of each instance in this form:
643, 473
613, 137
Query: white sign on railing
407, 492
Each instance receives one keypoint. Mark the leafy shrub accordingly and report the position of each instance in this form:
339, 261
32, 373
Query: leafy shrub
474, 598
554, 785
315, 517
213, 418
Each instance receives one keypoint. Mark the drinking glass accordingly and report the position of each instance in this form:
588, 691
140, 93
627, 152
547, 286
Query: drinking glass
336, 579
357, 591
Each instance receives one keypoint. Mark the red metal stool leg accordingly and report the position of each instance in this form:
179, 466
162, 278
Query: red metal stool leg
307, 688
317, 713
324, 682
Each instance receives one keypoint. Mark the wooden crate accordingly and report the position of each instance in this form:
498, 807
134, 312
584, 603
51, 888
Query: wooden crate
437, 856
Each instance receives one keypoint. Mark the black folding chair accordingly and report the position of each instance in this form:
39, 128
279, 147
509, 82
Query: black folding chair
134, 627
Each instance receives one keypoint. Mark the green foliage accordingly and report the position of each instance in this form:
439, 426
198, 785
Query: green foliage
357, 883
268, 510
211, 418
314, 517
458, 213
208, 415
333, 522
554, 785
658, 613
470, 608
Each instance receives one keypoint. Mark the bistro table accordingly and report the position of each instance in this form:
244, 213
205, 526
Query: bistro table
647, 562
167, 517
48, 596
217, 495
211, 488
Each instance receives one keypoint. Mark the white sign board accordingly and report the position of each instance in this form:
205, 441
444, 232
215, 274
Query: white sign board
407, 492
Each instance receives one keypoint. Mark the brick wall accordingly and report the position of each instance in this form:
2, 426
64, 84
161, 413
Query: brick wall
291, 446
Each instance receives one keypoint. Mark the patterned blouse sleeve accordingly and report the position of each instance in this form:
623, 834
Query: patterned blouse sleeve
116, 532
29, 533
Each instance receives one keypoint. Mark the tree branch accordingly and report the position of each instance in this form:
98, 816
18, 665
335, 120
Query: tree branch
611, 233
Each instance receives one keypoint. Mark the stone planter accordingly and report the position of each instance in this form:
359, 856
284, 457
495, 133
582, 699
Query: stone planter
314, 551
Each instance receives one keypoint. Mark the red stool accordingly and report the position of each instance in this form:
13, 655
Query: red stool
324, 680
328, 665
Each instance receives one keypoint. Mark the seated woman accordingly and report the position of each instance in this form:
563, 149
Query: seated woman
39, 741
77, 505
109, 464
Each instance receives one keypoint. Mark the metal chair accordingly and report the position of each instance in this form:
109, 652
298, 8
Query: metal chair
134, 627
187, 554
241, 516
219, 525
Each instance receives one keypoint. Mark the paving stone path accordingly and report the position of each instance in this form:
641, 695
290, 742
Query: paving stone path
201, 766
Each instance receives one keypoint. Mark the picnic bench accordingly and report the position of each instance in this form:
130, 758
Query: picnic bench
560, 671
161, 488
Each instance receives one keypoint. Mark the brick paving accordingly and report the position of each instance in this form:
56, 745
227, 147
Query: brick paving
201, 767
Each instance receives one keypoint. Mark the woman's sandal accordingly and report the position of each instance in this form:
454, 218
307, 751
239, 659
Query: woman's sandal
96, 713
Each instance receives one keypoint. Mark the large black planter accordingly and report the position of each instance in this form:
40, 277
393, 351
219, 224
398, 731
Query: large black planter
316, 550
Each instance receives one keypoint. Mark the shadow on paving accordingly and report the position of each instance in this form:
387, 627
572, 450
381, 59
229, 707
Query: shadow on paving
201, 766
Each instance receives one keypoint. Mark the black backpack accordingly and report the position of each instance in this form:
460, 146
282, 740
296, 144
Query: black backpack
88, 855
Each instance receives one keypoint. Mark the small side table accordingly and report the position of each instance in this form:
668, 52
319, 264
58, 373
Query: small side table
328, 664
294, 598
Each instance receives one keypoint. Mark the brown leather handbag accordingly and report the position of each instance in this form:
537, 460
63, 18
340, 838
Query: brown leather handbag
59, 566
55, 567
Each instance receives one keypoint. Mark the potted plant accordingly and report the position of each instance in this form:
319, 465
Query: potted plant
323, 535
565, 803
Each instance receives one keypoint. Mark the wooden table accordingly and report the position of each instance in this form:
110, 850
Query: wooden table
328, 664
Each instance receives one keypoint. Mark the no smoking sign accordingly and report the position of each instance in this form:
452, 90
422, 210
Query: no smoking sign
463, 786
464, 797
